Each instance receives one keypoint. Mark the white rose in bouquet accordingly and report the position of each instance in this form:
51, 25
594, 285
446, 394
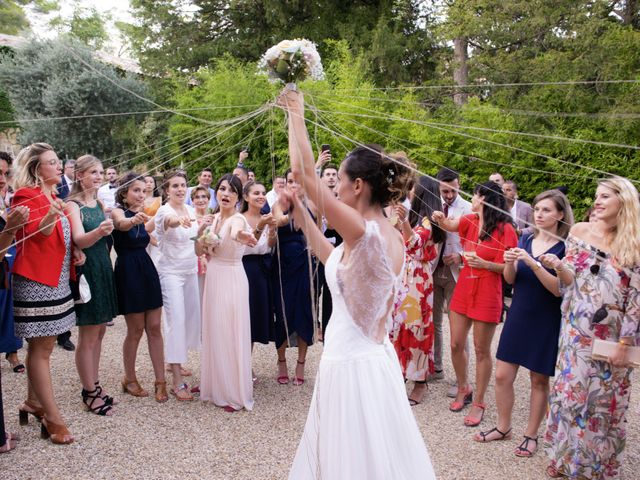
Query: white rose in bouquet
292, 61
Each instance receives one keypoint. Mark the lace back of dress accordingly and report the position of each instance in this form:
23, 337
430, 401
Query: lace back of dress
367, 283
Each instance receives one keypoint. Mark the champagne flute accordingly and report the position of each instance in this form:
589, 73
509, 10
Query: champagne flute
468, 253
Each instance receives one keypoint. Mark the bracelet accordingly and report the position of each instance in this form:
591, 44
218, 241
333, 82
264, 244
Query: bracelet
622, 342
538, 267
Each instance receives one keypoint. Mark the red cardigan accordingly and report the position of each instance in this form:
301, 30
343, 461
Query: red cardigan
38, 257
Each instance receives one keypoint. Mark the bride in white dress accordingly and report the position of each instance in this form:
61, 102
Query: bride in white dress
360, 424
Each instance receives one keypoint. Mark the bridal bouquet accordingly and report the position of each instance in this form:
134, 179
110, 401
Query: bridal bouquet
209, 239
292, 61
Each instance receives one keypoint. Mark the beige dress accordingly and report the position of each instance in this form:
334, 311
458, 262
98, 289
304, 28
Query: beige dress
226, 328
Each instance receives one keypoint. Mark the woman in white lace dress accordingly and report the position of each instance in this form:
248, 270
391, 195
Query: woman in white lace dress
360, 424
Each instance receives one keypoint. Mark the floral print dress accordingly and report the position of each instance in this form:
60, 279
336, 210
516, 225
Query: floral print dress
412, 332
585, 434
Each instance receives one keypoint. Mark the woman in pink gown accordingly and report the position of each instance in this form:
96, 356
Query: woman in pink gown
226, 329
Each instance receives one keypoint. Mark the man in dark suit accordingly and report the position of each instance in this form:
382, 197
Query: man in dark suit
521, 212
64, 189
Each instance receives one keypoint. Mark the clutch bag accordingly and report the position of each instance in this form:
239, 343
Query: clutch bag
603, 349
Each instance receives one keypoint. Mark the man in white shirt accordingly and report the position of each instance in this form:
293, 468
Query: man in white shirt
204, 180
278, 186
447, 268
521, 212
107, 192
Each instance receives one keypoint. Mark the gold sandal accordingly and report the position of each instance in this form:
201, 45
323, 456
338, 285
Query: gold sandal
161, 391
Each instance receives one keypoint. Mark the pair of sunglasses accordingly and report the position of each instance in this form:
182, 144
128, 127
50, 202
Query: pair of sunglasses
595, 268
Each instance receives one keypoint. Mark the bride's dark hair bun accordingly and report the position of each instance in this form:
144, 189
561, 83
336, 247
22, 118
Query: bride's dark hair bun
390, 177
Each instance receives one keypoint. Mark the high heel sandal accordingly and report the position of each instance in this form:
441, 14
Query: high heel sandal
297, 381
161, 391
456, 406
470, 421
107, 398
93, 395
27, 409
132, 387
17, 367
283, 379
59, 434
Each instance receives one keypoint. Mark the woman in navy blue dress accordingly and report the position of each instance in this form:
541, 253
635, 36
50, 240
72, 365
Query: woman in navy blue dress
530, 334
257, 261
137, 286
292, 289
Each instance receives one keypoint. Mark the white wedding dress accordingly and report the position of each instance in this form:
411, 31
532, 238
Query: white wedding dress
360, 424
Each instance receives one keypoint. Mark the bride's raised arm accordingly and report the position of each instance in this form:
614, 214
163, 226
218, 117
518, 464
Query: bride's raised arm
346, 220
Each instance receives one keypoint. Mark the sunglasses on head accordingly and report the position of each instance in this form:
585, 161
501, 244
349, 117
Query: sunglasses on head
595, 268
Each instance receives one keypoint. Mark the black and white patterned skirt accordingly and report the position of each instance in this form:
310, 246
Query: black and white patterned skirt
41, 310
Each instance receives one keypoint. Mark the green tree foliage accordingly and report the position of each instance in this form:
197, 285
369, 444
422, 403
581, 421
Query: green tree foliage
85, 24
47, 80
188, 35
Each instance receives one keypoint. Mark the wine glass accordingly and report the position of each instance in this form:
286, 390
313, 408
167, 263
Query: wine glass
470, 252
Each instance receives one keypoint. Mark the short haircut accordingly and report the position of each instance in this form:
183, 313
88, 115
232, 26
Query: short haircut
447, 175
111, 168
512, 183
206, 169
6, 156
329, 166
200, 188
243, 168
69, 161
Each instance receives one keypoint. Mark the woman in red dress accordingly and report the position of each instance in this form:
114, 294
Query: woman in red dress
477, 299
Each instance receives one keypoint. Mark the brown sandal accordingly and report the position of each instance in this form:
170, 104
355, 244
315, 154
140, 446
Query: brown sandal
59, 434
28, 409
161, 391
182, 394
132, 387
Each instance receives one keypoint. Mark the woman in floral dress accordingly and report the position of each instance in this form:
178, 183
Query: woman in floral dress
600, 275
412, 332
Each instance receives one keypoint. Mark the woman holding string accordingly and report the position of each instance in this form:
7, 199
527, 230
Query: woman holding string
176, 227
360, 424
200, 198
42, 299
89, 228
152, 203
600, 281
413, 330
257, 262
485, 235
226, 327
529, 337
292, 286
137, 286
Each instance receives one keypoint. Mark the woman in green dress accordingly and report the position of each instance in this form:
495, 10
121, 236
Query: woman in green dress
89, 229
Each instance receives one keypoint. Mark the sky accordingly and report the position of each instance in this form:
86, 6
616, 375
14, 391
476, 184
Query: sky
119, 10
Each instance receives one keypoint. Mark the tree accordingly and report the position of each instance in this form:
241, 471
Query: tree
14, 19
187, 36
85, 24
52, 79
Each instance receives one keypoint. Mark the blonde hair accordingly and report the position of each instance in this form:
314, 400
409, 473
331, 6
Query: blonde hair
83, 163
625, 246
27, 163
562, 204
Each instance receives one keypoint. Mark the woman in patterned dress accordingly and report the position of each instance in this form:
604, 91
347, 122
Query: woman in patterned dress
413, 330
43, 304
600, 279
90, 229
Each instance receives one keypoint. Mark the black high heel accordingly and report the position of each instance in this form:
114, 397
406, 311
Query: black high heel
102, 410
27, 409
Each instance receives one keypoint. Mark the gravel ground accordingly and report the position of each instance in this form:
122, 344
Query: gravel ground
147, 440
